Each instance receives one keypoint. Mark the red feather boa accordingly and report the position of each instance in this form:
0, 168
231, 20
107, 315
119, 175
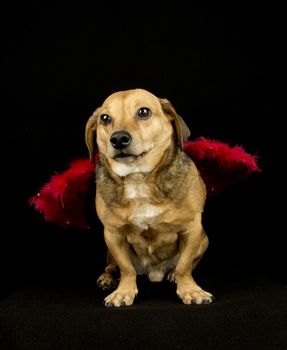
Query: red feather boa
63, 199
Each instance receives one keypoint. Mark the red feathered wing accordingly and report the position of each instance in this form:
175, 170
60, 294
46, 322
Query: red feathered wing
63, 200
219, 164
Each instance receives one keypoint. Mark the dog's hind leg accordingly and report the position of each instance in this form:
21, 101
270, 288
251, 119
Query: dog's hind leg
110, 278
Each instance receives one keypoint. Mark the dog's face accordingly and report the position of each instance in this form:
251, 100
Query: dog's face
132, 129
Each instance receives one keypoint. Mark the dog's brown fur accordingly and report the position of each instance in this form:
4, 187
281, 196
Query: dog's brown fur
151, 201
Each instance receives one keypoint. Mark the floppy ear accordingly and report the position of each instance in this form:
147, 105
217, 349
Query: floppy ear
181, 129
90, 135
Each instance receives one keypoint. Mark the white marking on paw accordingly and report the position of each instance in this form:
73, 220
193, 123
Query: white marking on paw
121, 297
195, 296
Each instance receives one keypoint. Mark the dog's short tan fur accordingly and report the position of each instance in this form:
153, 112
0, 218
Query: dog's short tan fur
150, 201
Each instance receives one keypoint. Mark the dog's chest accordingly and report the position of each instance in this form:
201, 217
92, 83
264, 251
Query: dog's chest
143, 212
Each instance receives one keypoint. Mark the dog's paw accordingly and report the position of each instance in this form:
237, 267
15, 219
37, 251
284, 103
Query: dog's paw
107, 281
195, 296
121, 297
171, 276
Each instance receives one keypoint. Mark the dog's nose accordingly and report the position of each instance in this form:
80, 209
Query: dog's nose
120, 139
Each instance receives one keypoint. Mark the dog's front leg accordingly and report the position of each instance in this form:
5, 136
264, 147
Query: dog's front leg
127, 288
193, 243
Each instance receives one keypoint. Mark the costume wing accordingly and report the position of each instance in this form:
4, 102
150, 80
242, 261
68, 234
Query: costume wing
219, 164
63, 199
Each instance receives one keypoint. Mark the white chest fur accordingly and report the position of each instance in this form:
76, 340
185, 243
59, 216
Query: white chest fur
136, 191
143, 213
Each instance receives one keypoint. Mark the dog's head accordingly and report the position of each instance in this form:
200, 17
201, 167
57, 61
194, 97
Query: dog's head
132, 129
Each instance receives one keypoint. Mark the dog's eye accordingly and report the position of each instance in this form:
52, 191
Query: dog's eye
106, 119
143, 113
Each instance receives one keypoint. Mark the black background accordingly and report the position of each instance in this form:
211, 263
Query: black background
219, 67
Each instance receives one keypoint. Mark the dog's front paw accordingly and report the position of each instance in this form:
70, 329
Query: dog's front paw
121, 297
194, 296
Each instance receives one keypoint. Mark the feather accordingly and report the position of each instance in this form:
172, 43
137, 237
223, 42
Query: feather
63, 199
219, 164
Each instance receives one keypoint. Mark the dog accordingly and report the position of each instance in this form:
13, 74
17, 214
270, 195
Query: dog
149, 196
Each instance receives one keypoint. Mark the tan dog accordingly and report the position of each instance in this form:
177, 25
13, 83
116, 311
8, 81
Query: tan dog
150, 196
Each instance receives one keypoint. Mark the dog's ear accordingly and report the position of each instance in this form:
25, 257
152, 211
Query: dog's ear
181, 129
90, 135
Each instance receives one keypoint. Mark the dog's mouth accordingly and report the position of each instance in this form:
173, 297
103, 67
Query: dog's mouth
122, 156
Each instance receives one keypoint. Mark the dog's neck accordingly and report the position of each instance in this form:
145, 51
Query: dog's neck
174, 164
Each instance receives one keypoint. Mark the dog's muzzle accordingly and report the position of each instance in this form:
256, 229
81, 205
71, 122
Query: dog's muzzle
120, 139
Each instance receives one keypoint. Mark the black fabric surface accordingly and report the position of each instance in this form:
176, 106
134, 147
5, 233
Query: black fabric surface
250, 312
